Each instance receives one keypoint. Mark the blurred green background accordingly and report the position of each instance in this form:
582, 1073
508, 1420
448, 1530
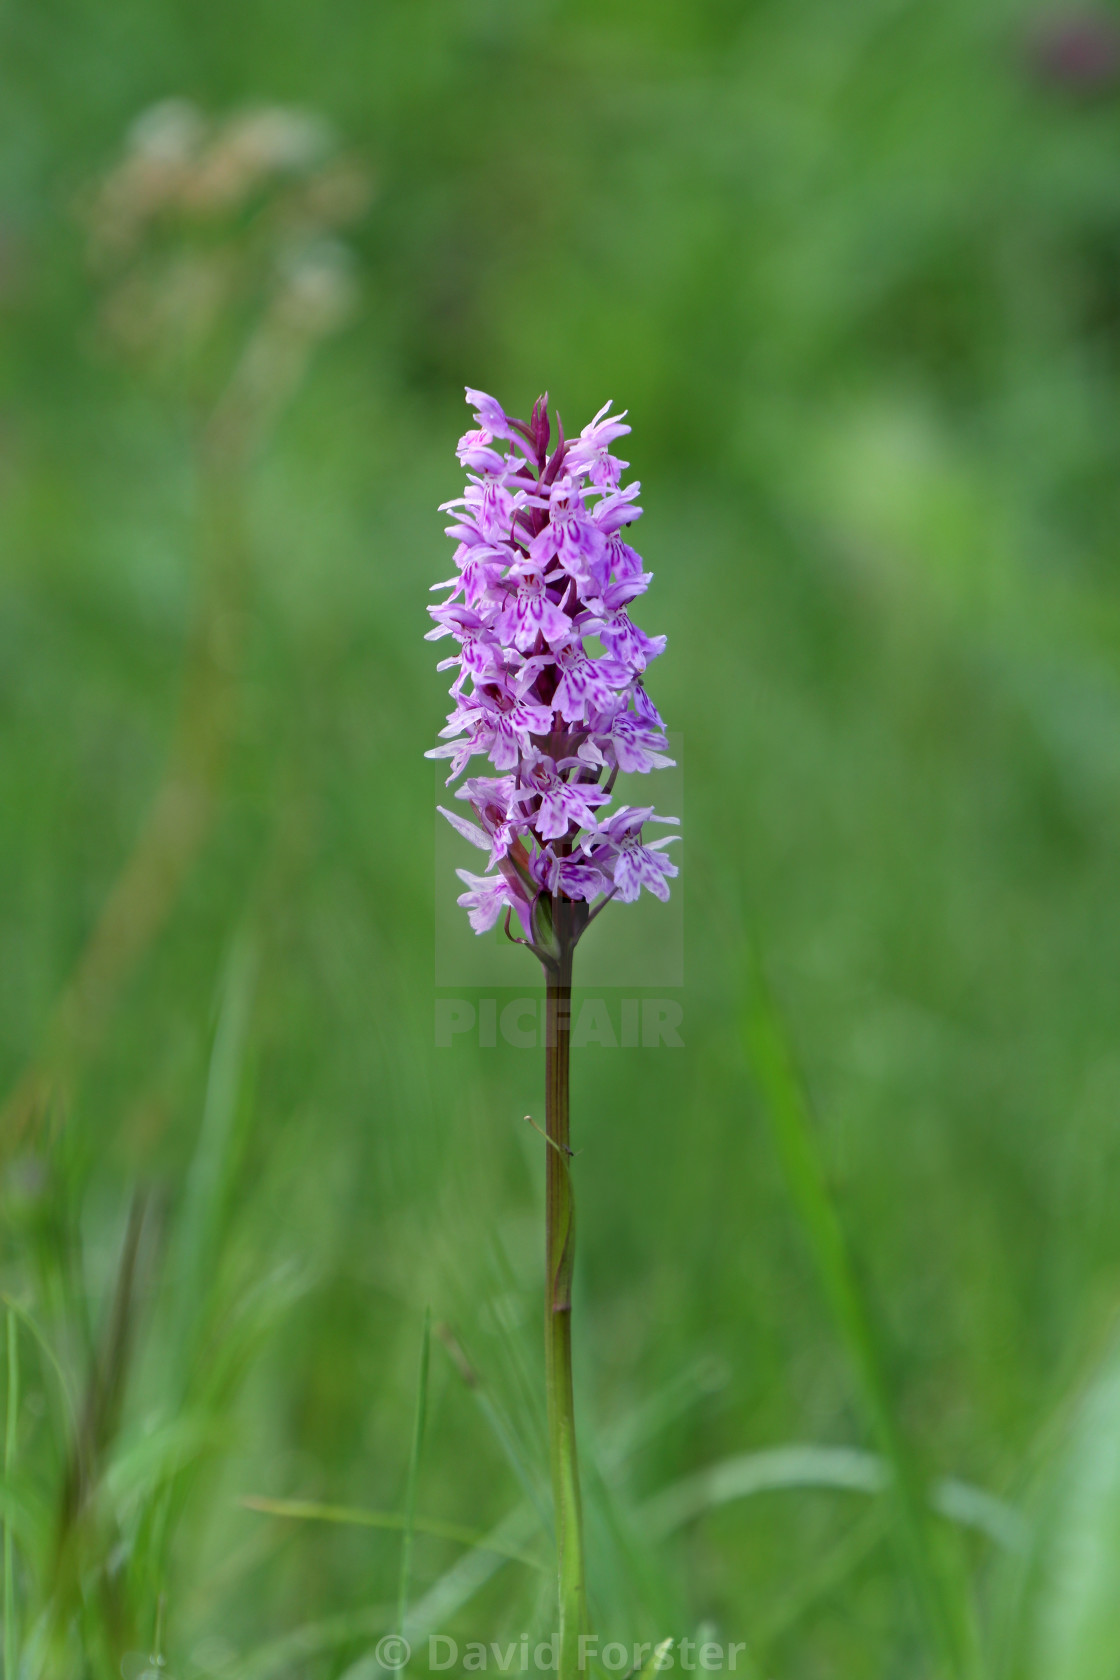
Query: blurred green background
855, 272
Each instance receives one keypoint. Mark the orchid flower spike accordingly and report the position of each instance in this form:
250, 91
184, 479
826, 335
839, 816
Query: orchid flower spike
542, 570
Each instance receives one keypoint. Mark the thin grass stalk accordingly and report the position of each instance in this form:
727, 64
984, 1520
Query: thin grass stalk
414, 1472
560, 1255
397, 1522
791, 1124
10, 1421
151, 879
497, 1422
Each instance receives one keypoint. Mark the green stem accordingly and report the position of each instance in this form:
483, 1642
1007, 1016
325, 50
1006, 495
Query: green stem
560, 1251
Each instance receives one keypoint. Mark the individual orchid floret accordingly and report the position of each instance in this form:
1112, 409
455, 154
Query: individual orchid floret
528, 613
476, 451
487, 898
589, 452
571, 535
619, 852
490, 415
549, 675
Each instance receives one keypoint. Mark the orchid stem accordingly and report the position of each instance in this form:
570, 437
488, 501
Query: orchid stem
559, 1254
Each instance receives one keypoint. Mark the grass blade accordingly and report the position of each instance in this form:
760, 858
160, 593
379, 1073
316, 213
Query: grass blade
414, 1470
791, 1125
1069, 1613
624, 1437
496, 1422
198, 1238
847, 1469
456, 1587
777, 1468
313, 1639
310, 1510
49, 1355
11, 1419
822, 1580
658, 1659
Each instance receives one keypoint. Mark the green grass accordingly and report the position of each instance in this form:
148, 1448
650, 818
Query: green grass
855, 271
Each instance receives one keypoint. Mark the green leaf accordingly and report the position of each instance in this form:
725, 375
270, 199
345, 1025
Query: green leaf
1073, 1606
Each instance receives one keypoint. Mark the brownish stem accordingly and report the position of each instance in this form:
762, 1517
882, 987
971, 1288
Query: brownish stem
560, 1254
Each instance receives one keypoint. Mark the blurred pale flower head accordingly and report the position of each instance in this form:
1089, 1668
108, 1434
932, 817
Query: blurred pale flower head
319, 287
206, 230
253, 148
